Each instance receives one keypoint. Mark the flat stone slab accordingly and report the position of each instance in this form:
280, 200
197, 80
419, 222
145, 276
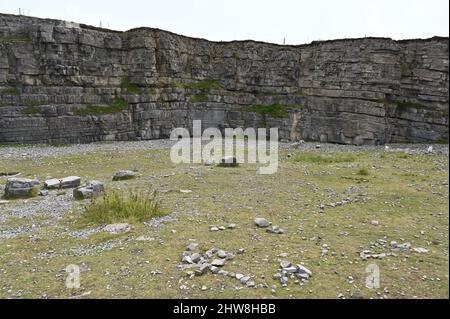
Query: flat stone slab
66, 182
124, 175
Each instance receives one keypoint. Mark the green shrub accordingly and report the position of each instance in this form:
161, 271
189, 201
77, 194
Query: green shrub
116, 106
129, 87
314, 158
119, 206
363, 172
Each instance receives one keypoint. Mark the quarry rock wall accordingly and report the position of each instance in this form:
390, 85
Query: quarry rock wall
63, 82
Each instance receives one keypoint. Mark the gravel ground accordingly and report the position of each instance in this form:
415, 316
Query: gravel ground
40, 151
54, 207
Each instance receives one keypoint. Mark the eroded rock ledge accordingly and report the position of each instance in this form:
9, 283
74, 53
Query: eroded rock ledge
63, 82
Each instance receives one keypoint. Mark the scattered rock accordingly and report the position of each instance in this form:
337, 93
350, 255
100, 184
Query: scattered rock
232, 226
214, 228
401, 247
43, 193
421, 250
218, 262
222, 254
90, 190
375, 222
287, 269
123, 175
275, 230
262, 222
185, 191
117, 228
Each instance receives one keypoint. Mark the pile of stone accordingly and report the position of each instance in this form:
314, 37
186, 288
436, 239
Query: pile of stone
66, 182
264, 223
214, 228
288, 270
395, 247
198, 264
124, 175
21, 187
90, 190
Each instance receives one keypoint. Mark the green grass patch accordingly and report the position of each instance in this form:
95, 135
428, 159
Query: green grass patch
116, 106
11, 91
17, 39
129, 87
402, 156
30, 110
363, 172
404, 105
323, 159
272, 110
198, 98
32, 103
123, 206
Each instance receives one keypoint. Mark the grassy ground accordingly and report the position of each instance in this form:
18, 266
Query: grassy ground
408, 195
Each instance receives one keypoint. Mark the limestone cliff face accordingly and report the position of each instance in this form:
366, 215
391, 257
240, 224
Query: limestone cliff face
62, 82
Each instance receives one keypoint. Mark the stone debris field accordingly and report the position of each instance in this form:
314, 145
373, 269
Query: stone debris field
308, 231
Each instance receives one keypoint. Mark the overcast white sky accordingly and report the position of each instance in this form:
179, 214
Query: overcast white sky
298, 21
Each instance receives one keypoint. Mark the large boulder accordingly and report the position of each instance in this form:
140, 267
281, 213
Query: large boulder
66, 182
90, 190
21, 187
124, 175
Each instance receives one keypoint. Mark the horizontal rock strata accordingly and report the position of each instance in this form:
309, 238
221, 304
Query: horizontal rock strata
63, 82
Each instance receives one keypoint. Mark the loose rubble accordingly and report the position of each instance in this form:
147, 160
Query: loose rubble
288, 270
116, 229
